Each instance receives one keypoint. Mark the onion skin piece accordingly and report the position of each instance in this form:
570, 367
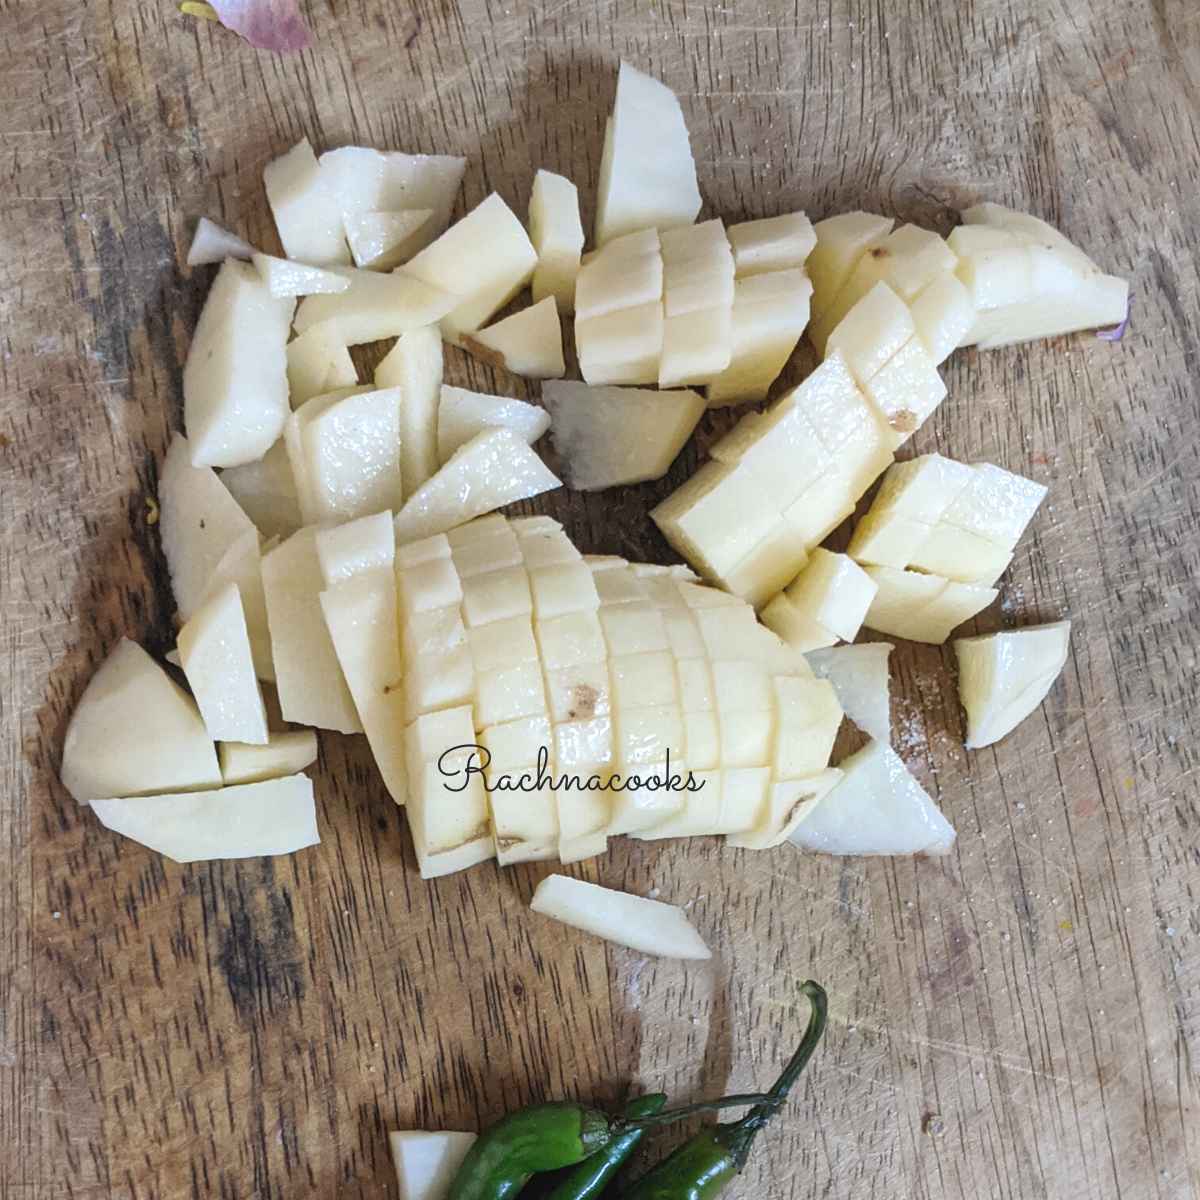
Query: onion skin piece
1117, 332
265, 24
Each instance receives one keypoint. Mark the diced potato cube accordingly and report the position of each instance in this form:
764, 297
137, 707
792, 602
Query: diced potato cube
834, 592
741, 686
646, 796
305, 210
496, 596
633, 629
443, 813
562, 588
514, 745
621, 347
625, 274
570, 640
696, 346
779, 449
809, 718
413, 554
795, 626
502, 644
433, 632
525, 821
701, 595
771, 243
922, 608
557, 236
770, 565
833, 405
645, 735
643, 680
487, 554
943, 313
683, 634
871, 332
584, 743
617, 583
700, 814
996, 505
696, 691
746, 738
427, 586
509, 693
906, 389
841, 242
547, 548
491, 525
703, 737
787, 805
578, 693
439, 680
959, 555
743, 799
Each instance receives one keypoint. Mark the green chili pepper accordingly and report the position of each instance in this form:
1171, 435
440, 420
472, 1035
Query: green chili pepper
590, 1177
703, 1165
546, 1137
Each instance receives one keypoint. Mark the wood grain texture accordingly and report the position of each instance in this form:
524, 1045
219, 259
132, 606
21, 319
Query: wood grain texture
253, 1029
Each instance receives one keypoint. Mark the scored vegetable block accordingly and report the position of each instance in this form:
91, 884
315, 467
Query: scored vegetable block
415, 365
463, 414
608, 436
274, 816
824, 604
557, 235
235, 390
1003, 677
528, 343
483, 260
312, 689
771, 244
493, 469
841, 242
787, 805
697, 304
647, 172
922, 608
135, 731
305, 208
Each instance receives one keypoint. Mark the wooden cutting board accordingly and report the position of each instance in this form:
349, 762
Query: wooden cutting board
1020, 1020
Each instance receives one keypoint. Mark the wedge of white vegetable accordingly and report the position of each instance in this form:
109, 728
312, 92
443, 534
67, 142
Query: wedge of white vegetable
414, 365
298, 450
878, 808
364, 180
135, 731
305, 210
609, 436
529, 343
648, 176
284, 277
266, 492
214, 651
648, 926
284, 754
376, 306
318, 362
383, 240
922, 608
198, 522
463, 415
426, 1163
859, 675
484, 259
493, 469
557, 235
1003, 677
275, 816
312, 689
788, 803
235, 391
213, 244
242, 565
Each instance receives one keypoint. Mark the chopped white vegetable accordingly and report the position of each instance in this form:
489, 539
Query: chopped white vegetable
414, 365
493, 469
426, 1163
135, 731
235, 393
648, 174
610, 435
462, 415
198, 522
213, 244
484, 259
305, 210
382, 240
529, 343
312, 689
376, 306
788, 803
284, 277
318, 362
284, 754
214, 651
648, 926
266, 492
1003, 677
877, 808
365, 544
859, 675
557, 235
275, 816
364, 181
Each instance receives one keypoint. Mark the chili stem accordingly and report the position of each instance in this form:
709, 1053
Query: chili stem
745, 1100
